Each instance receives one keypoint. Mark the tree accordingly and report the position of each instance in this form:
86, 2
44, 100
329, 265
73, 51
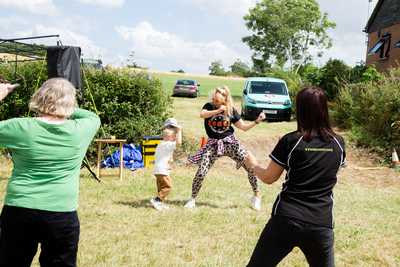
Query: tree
357, 72
217, 69
178, 71
239, 67
260, 65
334, 75
286, 29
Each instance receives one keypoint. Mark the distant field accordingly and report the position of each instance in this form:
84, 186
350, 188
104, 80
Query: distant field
206, 83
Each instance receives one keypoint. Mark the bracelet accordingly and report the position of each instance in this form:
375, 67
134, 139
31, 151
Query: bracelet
252, 167
256, 121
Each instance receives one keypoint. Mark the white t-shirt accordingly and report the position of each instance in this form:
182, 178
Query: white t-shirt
163, 156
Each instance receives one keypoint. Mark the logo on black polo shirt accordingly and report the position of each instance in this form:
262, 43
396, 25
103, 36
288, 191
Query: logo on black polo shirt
218, 124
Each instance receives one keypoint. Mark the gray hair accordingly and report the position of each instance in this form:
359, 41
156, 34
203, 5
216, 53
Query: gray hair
55, 97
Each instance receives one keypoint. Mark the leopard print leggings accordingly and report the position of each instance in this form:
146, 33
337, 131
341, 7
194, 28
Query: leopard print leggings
235, 151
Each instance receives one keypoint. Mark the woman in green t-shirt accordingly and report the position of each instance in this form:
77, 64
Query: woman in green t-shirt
40, 205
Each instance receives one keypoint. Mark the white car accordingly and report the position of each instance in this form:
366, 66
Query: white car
268, 95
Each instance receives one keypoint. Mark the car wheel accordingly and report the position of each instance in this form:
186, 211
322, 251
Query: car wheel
246, 115
241, 113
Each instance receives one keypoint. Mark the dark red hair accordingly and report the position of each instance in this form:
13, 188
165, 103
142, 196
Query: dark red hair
312, 114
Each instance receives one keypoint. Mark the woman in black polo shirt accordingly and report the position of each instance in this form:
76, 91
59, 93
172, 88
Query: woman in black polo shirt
302, 214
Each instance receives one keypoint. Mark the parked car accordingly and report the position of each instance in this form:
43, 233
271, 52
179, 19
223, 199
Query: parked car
268, 95
186, 87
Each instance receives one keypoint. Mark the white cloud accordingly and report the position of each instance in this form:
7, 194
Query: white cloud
76, 23
103, 3
150, 44
10, 21
223, 7
349, 47
43, 7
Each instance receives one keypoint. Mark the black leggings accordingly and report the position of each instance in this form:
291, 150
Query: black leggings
235, 151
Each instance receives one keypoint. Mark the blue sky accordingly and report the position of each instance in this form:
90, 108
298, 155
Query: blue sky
169, 34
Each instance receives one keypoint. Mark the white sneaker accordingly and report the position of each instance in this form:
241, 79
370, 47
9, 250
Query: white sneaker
156, 204
163, 206
255, 202
190, 204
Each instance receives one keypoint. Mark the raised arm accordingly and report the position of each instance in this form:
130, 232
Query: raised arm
245, 127
178, 135
204, 114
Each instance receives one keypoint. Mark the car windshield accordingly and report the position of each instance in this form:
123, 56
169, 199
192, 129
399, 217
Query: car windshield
185, 82
268, 88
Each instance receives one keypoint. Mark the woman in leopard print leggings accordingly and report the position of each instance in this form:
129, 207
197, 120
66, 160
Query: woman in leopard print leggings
219, 115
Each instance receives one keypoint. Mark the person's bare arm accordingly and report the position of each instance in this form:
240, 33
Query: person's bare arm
269, 175
245, 127
208, 113
178, 135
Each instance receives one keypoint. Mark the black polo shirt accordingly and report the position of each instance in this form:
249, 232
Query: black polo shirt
216, 126
312, 168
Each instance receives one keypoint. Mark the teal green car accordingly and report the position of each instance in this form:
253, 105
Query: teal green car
268, 95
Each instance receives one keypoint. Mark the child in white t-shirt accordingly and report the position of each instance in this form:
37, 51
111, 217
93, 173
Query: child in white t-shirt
172, 138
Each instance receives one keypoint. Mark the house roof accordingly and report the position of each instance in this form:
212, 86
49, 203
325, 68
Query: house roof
386, 13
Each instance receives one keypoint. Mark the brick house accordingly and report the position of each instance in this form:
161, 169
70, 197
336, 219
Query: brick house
383, 29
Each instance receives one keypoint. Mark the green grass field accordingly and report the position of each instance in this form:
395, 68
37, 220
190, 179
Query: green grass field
206, 83
119, 227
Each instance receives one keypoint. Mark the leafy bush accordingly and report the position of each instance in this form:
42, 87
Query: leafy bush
333, 75
312, 75
357, 72
371, 111
129, 105
371, 74
16, 104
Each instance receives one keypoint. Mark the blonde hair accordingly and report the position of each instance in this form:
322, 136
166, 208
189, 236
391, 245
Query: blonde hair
223, 95
169, 131
55, 97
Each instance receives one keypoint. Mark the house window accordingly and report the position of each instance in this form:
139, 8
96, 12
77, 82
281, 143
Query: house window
397, 44
383, 46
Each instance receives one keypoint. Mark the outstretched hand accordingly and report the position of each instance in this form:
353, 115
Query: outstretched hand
261, 117
4, 89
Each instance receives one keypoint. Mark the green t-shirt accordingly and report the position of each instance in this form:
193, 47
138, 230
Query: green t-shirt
47, 159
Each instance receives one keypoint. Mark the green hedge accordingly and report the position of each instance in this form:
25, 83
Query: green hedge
371, 111
129, 105
16, 104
